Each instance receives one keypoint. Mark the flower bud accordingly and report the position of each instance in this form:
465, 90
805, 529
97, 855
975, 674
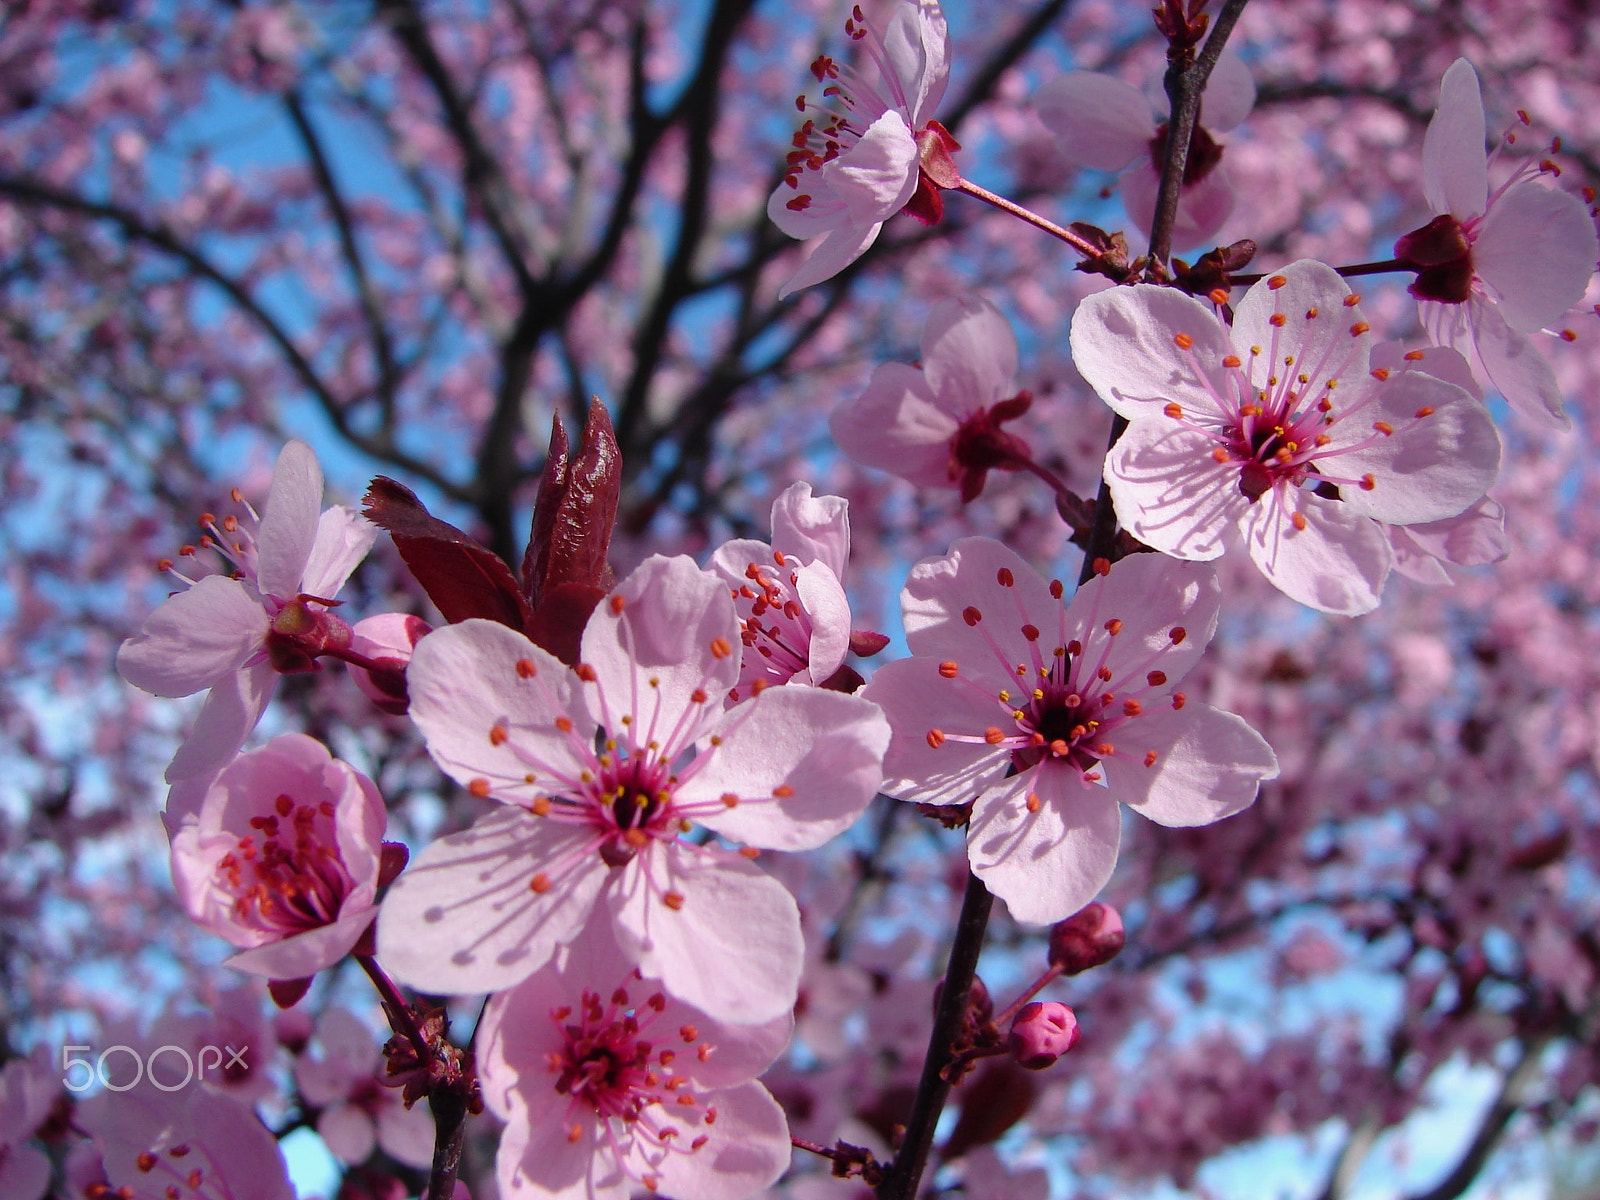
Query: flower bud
1041, 1033
388, 640
1089, 937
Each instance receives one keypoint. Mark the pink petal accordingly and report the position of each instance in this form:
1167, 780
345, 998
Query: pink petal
464, 681
1412, 561
1476, 537
231, 710
896, 425
1535, 252
1508, 359
1203, 207
1326, 343
939, 593
1208, 765
969, 354
916, 699
734, 947
307, 953
1048, 864
1337, 563
746, 1150
917, 45
814, 528
1170, 493
348, 1134
289, 521
1455, 165
342, 541
824, 749
824, 601
1230, 94
1428, 469
1101, 121
406, 1134
24, 1172
1122, 344
1151, 595
462, 918
195, 638
876, 176
668, 622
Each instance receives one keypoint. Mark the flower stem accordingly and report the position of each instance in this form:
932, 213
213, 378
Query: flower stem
1081, 245
933, 1089
1034, 989
395, 1007
1350, 272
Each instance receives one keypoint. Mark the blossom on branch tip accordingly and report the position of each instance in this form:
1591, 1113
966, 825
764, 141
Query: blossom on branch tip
593, 825
610, 1086
1278, 430
1494, 265
794, 618
281, 856
1108, 124
939, 424
1051, 714
851, 171
235, 633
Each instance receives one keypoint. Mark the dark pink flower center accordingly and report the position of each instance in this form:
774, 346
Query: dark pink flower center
286, 876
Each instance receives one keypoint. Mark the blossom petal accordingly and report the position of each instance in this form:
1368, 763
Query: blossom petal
465, 683
1048, 864
969, 354
825, 604
732, 947
348, 1133
1170, 493
941, 605
898, 426
745, 1151
195, 638
917, 700
343, 540
1455, 165
304, 954
1325, 337
1337, 563
231, 710
1508, 359
802, 763
1100, 121
462, 918
1429, 468
1208, 765
1123, 343
1476, 537
917, 47
1535, 251
1203, 207
289, 522
1230, 93
813, 528
1153, 596
652, 657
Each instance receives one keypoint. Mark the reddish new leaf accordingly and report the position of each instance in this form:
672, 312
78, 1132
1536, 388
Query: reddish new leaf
462, 577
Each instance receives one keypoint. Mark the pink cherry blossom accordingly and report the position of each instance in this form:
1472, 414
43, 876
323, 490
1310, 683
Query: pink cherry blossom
235, 633
282, 858
851, 171
1050, 715
358, 1111
938, 425
188, 1142
1494, 265
794, 618
586, 827
1108, 124
1278, 430
28, 1092
609, 1085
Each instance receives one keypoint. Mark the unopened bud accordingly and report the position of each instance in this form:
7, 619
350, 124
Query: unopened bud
1089, 937
1042, 1032
387, 640
392, 859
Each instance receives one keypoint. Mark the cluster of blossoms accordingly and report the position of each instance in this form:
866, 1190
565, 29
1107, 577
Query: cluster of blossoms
635, 745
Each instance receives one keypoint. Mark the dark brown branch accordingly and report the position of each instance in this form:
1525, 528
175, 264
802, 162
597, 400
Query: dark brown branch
1491, 1126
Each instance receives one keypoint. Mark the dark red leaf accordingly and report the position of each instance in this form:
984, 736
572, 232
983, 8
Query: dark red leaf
462, 577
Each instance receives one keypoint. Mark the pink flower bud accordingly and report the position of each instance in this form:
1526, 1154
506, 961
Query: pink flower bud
388, 640
1089, 937
1041, 1033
